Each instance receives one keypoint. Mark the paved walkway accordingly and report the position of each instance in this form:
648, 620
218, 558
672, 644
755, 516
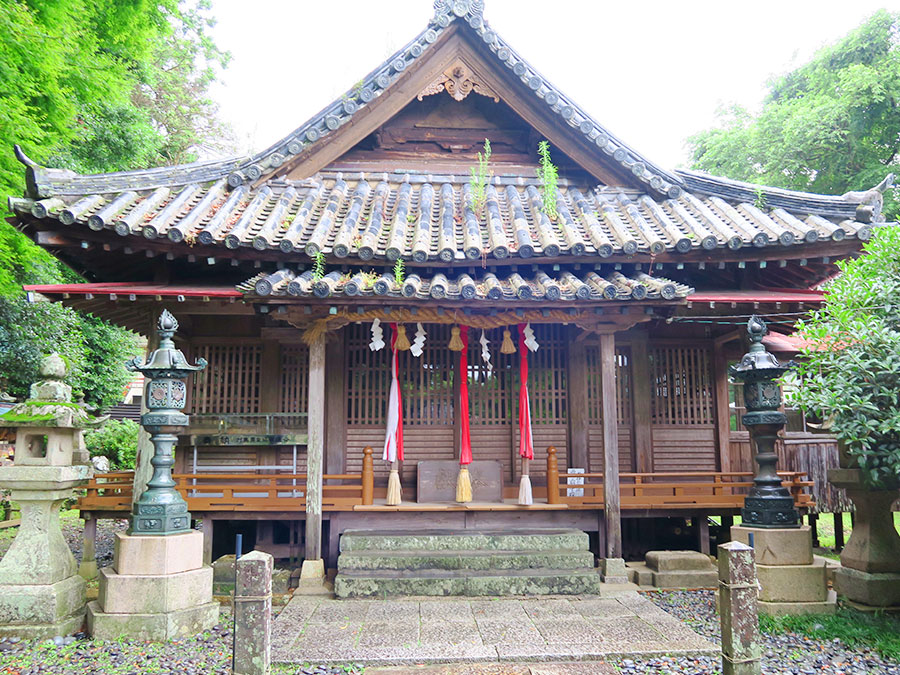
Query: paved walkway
456, 630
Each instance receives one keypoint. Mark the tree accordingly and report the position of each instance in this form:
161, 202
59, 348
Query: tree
850, 372
93, 86
117, 441
829, 126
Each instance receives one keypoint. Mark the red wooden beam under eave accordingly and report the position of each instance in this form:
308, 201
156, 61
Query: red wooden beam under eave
124, 289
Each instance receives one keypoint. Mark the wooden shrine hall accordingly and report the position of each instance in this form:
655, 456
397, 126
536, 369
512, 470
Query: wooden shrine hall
396, 263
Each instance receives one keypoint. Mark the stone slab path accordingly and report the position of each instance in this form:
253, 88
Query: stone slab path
453, 630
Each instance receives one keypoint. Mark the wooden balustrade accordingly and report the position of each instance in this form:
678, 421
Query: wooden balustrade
723, 489
368, 477
552, 476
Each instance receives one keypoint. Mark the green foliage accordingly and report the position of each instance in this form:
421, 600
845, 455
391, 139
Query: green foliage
95, 350
548, 175
850, 372
399, 271
117, 441
829, 126
854, 629
318, 266
479, 176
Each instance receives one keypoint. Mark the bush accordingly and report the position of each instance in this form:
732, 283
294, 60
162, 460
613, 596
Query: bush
850, 372
117, 441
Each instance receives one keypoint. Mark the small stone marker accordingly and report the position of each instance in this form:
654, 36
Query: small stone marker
737, 610
253, 615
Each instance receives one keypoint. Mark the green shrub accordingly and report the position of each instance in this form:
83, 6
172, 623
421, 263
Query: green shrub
117, 441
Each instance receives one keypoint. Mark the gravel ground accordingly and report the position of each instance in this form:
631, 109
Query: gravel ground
783, 653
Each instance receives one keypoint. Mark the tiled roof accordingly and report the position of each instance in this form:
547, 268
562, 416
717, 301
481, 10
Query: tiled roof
565, 286
428, 218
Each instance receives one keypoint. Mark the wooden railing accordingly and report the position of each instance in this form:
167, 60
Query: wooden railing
287, 491
715, 489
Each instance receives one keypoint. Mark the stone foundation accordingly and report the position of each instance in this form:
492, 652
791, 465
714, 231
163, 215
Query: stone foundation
157, 589
791, 580
674, 569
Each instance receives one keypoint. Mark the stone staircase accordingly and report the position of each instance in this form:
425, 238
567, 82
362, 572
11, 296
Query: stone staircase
465, 562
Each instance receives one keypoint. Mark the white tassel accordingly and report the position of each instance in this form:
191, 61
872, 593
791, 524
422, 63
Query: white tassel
486, 353
419, 341
525, 498
377, 336
530, 342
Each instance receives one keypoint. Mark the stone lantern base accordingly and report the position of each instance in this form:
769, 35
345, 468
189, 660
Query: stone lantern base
158, 589
41, 595
791, 580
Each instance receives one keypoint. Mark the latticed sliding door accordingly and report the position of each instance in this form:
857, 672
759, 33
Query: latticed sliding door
624, 409
427, 386
682, 408
491, 401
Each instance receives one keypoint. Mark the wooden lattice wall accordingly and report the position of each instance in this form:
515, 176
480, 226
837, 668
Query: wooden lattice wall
294, 363
682, 408
231, 381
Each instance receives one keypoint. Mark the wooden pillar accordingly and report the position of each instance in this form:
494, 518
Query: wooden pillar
640, 383
315, 449
838, 531
269, 394
814, 528
702, 527
723, 414
577, 402
335, 405
207, 540
610, 447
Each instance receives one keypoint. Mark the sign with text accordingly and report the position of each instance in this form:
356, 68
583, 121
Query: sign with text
436, 481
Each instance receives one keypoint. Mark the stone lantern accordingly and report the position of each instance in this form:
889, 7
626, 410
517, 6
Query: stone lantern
158, 587
769, 503
161, 510
791, 581
41, 594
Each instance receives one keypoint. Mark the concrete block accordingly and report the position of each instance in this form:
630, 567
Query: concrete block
828, 606
158, 555
831, 566
639, 573
148, 594
281, 581
48, 604
223, 569
792, 583
686, 579
612, 571
875, 590
678, 561
153, 627
787, 546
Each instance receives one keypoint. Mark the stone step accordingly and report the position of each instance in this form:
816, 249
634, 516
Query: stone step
386, 583
464, 560
464, 540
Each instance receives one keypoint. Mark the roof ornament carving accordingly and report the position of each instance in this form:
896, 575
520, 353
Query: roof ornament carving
458, 81
870, 201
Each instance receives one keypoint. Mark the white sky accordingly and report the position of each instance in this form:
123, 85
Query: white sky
651, 72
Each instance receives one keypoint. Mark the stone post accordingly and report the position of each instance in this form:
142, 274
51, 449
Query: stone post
253, 614
737, 610
41, 594
88, 567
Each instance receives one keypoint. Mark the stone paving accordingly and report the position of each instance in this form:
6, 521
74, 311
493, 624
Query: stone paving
453, 630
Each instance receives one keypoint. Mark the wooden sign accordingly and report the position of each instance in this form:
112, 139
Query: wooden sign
436, 481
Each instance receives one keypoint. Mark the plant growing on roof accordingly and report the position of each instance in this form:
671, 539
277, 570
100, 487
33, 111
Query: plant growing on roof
479, 176
318, 265
760, 202
548, 175
850, 371
399, 271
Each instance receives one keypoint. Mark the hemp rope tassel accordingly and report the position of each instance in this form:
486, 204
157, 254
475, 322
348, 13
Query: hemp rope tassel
402, 341
456, 343
507, 347
463, 485
525, 496
394, 493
